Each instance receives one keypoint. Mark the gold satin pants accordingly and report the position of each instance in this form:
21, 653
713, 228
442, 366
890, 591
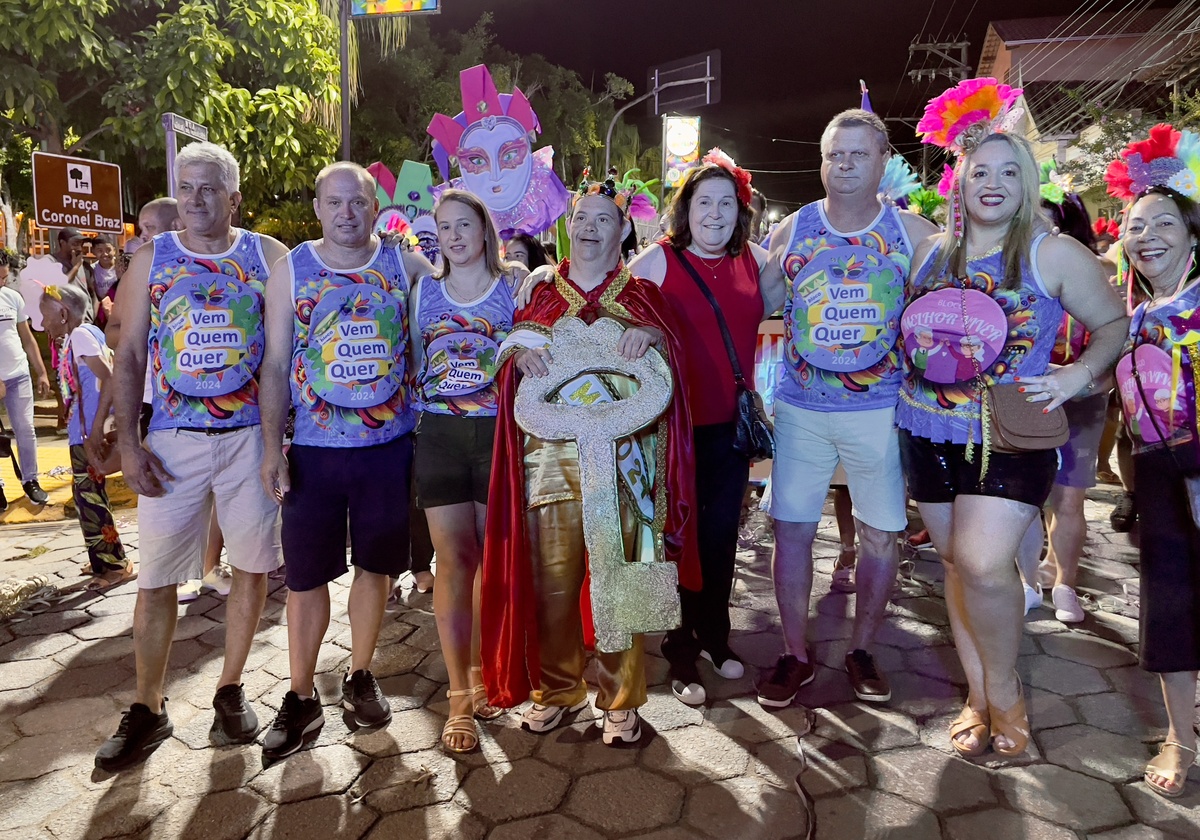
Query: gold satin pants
557, 551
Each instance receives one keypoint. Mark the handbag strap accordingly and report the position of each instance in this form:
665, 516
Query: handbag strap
712, 301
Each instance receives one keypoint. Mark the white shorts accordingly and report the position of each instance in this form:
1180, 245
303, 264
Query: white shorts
810, 444
206, 470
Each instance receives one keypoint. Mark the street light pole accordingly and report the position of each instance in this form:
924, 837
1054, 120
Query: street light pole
344, 19
613, 122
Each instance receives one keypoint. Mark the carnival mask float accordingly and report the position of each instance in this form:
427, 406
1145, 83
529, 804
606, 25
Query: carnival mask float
406, 205
491, 143
1159, 377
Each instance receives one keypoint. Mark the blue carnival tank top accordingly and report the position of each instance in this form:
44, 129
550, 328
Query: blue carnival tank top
461, 343
1156, 376
845, 292
206, 333
350, 337
959, 332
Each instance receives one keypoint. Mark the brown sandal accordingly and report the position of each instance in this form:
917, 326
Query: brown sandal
1012, 723
112, 578
460, 725
1176, 771
970, 720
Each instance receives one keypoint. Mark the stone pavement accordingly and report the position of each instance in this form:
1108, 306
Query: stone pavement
722, 771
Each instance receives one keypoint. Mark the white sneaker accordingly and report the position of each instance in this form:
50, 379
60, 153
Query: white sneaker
1066, 605
219, 580
622, 725
188, 591
539, 718
691, 694
730, 668
1033, 597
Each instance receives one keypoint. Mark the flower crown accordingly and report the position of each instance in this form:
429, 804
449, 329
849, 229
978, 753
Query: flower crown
619, 191
741, 178
1166, 158
968, 113
1054, 187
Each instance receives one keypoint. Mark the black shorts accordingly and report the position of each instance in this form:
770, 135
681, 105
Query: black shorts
454, 459
368, 486
938, 472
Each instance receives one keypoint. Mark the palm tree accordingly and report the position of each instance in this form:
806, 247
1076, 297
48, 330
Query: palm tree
391, 32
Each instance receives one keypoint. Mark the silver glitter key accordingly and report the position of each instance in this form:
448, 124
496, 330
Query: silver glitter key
627, 597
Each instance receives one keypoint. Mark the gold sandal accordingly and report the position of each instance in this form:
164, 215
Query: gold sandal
970, 720
1176, 771
1012, 723
485, 710
460, 725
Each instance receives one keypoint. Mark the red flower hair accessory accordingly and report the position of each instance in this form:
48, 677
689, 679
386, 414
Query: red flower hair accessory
1166, 158
741, 178
1106, 227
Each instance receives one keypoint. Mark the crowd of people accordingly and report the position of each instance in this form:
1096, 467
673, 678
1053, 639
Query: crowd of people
908, 349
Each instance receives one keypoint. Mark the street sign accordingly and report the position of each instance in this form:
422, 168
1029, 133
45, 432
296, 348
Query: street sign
75, 192
174, 125
705, 69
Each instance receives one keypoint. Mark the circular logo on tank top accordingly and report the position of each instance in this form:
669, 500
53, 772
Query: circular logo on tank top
210, 334
846, 308
460, 363
953, 334
350, 359
1157, 402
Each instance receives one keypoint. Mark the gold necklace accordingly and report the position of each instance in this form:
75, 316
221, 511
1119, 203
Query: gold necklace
711, 268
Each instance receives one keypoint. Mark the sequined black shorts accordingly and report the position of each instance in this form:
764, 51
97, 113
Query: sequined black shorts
938, 472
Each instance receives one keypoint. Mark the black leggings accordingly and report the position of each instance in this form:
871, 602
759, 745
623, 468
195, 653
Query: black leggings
721, 478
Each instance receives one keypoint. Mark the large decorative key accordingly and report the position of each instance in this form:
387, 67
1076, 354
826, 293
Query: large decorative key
627, 597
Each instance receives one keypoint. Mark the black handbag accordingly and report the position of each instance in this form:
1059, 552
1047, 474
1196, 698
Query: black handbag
8, 448
753, 435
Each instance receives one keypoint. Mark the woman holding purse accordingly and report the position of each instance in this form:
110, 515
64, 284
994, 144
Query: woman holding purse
1156, 382
983, 304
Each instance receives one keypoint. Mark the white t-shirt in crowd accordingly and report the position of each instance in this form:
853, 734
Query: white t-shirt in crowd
13, 361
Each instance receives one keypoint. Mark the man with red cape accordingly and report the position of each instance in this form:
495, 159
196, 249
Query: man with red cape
536, 615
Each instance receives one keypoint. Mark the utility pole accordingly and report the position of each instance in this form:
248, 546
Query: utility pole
956, 69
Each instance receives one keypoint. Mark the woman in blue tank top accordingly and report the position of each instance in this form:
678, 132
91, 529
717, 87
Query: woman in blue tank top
460, 315
983, 307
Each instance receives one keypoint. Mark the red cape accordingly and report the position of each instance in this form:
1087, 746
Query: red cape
511, 661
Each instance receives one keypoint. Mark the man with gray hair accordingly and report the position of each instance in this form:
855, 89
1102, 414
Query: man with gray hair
843, 261
192, 309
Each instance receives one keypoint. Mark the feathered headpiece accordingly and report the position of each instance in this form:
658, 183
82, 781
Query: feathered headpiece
1106, 227
741, 178
898, 181
962, 118
481, 102
1054, 187
1167, 158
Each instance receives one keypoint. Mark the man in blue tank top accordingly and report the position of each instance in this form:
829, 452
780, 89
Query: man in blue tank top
337, 340
191, 309
843, 260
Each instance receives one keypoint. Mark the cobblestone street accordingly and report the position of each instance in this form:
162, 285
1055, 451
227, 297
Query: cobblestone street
726, 770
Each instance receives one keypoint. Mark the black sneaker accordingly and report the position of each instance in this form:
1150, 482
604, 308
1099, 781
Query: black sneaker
139, 734
869, 685
788, 676
1124, 514
361, 697
235, 721
35, 492
298, 722
3, 500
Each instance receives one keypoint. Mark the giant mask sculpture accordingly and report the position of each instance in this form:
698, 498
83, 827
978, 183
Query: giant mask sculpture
491, 143
406, 204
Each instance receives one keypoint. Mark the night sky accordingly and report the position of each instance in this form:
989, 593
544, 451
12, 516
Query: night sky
788, 65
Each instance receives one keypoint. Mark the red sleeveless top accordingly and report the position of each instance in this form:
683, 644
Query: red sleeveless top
734, 283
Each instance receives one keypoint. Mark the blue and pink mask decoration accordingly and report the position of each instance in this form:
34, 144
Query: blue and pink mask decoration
491, 143
406, 205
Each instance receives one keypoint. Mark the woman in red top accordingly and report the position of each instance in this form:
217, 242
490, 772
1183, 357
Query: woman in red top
708, 226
